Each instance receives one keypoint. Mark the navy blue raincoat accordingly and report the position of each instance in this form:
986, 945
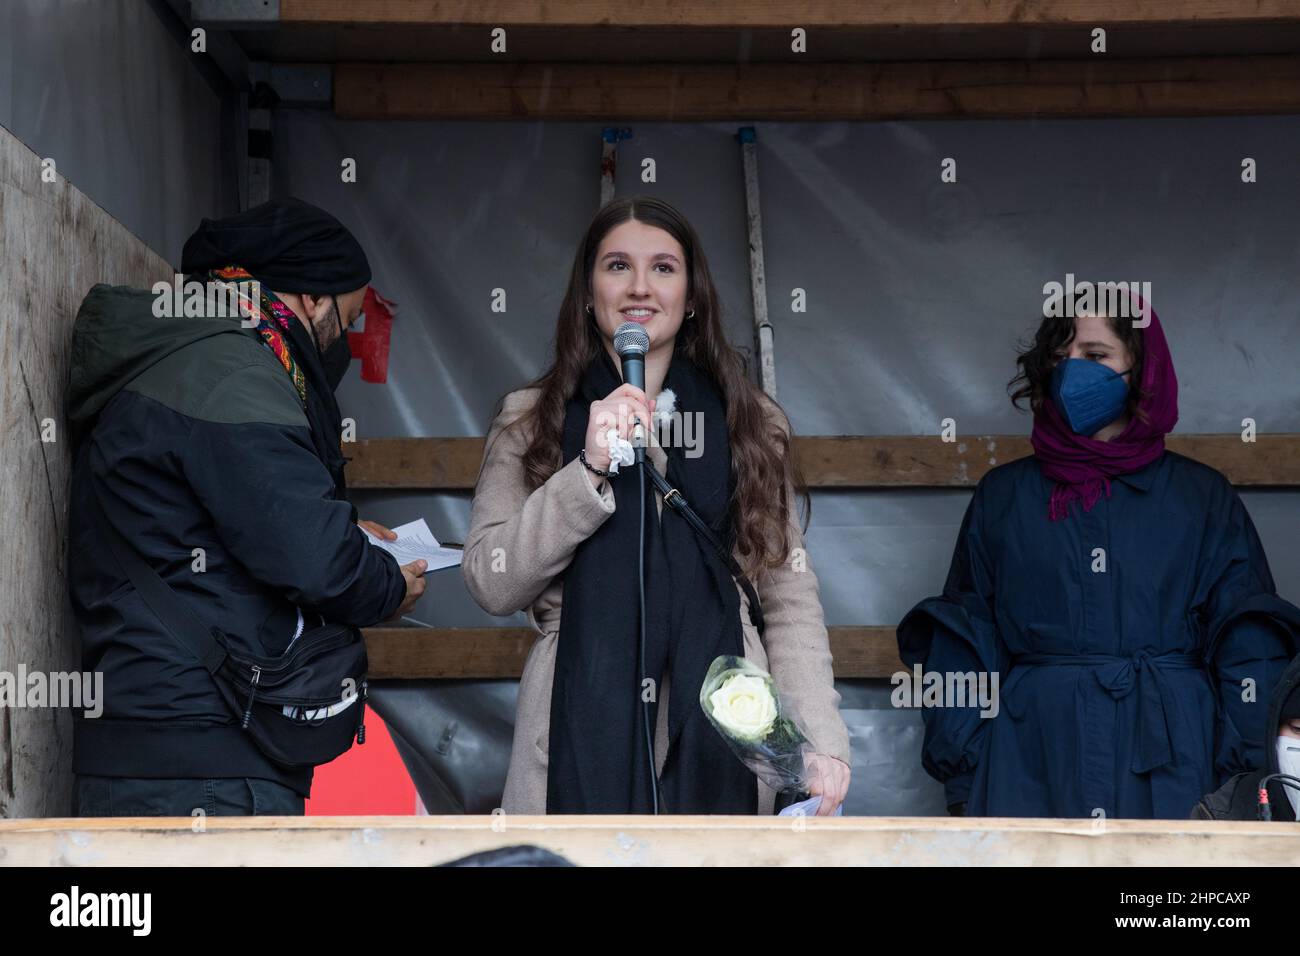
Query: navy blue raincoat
1135, 645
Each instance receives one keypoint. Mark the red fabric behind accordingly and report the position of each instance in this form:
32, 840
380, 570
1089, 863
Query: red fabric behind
369, 779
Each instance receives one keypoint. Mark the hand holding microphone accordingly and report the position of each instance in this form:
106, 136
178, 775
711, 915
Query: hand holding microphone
626, 409
621, 409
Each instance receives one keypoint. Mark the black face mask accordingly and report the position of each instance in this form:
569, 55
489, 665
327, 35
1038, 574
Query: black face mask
335, 359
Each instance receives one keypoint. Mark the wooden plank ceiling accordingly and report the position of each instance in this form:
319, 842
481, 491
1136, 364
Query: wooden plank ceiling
681, 60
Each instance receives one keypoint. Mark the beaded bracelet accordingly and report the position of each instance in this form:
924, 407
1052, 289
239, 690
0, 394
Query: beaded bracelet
582, 456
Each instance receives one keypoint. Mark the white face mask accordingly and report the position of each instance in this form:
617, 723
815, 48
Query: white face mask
1288, 761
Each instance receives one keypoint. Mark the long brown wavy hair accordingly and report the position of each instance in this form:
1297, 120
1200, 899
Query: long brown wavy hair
762, 461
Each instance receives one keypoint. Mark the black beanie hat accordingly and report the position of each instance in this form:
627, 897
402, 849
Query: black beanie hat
286, 244
1291, 706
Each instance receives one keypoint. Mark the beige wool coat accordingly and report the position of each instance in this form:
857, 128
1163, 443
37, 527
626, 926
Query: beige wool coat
517, 549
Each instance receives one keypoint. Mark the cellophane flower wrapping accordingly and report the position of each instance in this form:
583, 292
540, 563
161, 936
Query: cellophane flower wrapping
741, 701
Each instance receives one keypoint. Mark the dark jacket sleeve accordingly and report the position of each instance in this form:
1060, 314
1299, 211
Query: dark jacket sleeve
271, 500
1252, 635
1216, 805
955, 632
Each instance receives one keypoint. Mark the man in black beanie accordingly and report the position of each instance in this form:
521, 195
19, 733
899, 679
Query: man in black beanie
211, 441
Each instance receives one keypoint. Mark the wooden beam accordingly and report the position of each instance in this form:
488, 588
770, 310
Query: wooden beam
1270, 461
925, 461
647, 841
686, 92
908, 461
781, 14
859, 652
416, 463
486, 653
481, 653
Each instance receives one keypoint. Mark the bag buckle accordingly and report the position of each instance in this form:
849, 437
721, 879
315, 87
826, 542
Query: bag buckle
668, 498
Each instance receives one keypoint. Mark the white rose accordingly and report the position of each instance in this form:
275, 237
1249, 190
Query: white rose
744, 706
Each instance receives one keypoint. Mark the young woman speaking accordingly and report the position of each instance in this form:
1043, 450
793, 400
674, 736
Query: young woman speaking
555, 530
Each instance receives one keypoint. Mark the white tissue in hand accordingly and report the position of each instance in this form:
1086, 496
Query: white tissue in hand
620, 451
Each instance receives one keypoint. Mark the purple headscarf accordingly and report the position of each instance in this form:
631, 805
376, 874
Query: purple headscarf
1081, 466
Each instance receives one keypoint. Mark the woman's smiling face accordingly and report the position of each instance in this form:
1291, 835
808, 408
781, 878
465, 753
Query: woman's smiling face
640, 276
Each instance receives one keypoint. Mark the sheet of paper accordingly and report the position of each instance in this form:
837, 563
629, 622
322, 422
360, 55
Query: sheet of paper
415, 542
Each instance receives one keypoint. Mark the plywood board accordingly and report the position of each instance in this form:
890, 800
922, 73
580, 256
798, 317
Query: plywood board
648, 841
54, 245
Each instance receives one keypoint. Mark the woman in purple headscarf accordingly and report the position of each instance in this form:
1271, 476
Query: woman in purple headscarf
1117, 593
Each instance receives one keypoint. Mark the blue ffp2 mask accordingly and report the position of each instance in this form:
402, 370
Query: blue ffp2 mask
1088, 395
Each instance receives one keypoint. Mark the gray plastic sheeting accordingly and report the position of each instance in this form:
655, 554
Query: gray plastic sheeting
104, 89
917, 293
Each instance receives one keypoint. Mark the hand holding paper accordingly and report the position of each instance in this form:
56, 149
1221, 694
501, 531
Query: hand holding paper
415, 542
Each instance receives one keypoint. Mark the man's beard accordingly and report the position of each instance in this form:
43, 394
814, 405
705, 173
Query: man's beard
327, 329
336, 352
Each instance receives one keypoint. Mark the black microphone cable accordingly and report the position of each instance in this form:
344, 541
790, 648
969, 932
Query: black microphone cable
631, 343
645, 704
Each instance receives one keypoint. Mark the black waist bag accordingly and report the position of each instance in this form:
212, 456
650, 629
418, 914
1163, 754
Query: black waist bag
301, 709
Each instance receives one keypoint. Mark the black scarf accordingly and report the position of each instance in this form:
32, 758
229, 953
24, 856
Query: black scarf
322, 408
598, 758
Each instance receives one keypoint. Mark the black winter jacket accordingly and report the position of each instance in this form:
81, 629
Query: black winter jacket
194, 429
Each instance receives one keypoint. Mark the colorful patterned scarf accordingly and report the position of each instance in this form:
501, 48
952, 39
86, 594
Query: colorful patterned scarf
273, 318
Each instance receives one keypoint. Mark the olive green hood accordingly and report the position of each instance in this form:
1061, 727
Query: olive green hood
117, 338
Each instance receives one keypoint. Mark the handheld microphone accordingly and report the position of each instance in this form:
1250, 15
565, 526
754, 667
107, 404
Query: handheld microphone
632, 343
